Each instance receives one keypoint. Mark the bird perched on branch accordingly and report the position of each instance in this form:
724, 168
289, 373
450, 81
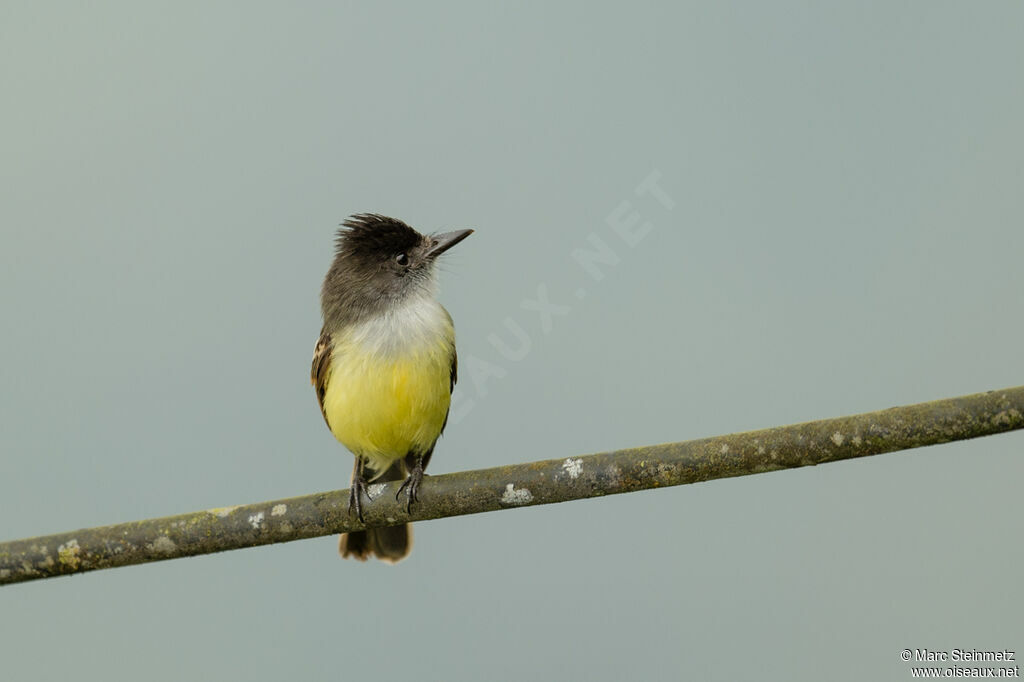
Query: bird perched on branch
385, 364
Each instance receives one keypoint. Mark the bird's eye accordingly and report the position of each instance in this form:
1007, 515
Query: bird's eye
402, 259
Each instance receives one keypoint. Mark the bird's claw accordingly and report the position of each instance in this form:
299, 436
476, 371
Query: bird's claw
355, 495
411, 486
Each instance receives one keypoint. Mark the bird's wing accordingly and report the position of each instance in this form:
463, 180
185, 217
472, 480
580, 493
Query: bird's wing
320, 369
454, 376
455, 370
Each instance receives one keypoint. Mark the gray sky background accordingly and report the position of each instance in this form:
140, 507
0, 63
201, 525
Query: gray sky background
846, 235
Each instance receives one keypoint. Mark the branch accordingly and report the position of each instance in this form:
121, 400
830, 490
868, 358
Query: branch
519, 485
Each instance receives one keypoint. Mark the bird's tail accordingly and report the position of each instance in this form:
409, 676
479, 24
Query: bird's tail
391, 544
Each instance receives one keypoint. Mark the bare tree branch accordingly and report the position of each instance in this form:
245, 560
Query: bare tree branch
519, 485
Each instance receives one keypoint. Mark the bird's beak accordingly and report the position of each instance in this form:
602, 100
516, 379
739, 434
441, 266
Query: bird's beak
444, 241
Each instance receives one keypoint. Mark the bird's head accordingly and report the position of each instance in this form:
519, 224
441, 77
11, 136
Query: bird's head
382, 261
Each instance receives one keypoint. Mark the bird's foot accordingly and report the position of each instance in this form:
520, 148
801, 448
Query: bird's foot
411, 486
355, 496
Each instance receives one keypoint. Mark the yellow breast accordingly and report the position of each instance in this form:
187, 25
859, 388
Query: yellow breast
388, 389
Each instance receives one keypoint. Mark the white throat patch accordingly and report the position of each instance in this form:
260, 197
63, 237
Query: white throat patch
419, 324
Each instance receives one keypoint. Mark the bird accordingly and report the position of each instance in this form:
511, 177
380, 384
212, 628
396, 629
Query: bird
385, 364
